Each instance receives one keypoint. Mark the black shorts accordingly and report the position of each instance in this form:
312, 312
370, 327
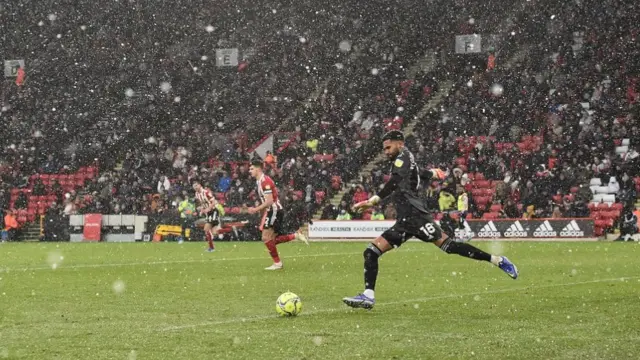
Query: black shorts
272, 219
421, 226
213, 218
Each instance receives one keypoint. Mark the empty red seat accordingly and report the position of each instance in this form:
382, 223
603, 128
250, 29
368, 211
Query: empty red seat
461, 161
612, 215
320, 197
523, 147
617, 206
603, 223
603, 207
592, 206
15, 191
496, 207
480, 176
366, 216
490, 216
488, 192
482, 184
477, 192
469, 216
598, 231
482, 200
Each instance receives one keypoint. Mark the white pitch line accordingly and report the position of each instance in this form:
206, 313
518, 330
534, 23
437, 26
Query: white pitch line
169, 262
417, 300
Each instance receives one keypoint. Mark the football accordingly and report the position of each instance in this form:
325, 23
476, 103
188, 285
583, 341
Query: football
288, 304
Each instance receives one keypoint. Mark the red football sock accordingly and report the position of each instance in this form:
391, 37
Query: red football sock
284, 238
271, 246
209, 237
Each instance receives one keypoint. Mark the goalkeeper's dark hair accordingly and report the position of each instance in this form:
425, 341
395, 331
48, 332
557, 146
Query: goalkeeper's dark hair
393, 135
257, 163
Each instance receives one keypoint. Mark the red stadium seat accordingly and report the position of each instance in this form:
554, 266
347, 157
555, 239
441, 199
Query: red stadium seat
488, 192
482, 184
320, 197
603, 207
366, 216
461, 161
598, 231
479, 176
469, 216
496, 207
490, 216
482, 200
592, 206
617, 206
477, 192
574, 189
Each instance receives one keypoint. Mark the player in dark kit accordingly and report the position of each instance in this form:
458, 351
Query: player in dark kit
413, 220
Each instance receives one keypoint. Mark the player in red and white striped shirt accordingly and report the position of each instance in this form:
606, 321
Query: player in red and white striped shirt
209, 208
272, 214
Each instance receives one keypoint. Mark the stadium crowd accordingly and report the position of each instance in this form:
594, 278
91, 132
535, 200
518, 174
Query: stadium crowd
152, 112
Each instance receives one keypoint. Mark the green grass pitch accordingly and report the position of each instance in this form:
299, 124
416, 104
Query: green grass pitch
171, 301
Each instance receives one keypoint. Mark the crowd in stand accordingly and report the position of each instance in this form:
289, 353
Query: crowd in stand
153, 111
575, 97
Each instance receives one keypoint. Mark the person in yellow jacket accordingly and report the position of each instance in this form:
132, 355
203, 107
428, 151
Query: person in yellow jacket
377, 215
343, 216
463, 208
446, 201
187, 210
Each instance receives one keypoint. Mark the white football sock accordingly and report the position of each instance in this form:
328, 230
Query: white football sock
495, 260
368, 293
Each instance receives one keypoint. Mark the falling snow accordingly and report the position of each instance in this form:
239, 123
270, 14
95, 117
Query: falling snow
54, 259
118, 287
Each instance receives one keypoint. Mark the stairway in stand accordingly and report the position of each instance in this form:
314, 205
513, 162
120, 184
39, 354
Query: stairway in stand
30, 232
366, 170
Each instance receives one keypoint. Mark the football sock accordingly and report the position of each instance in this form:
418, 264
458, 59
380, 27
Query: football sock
371, 255
209, 237
369, 293
271, 246
466, 250
285, 238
